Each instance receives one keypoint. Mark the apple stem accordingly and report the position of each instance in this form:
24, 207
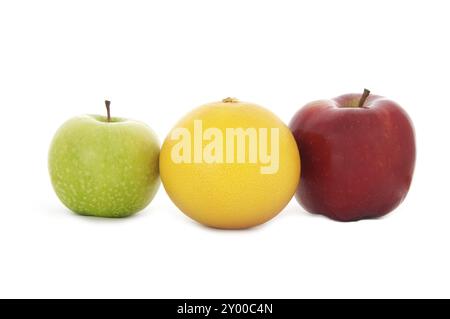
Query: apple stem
108, 112
363, 98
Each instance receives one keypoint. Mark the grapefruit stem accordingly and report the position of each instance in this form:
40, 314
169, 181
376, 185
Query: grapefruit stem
230, 100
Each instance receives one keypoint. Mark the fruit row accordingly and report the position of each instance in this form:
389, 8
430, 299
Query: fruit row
233, 164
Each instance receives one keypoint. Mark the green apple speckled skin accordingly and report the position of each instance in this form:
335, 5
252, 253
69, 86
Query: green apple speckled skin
106, 169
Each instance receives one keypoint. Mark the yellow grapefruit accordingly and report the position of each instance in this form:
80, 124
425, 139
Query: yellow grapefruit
230, 164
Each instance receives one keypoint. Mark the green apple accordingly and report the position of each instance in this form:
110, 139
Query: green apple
104, 166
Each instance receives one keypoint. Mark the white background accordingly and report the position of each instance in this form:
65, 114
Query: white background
157, 60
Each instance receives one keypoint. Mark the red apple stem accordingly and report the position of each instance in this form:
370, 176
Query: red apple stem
363, 98
108, 111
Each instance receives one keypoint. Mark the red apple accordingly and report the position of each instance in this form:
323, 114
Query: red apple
358, 154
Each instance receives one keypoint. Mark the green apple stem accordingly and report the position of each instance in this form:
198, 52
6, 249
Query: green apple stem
108, 112
363, 98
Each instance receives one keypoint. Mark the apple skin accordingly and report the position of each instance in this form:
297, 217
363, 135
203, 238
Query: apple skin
105, 169
357, 162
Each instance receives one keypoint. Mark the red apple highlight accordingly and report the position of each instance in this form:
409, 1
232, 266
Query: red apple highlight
358, 154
